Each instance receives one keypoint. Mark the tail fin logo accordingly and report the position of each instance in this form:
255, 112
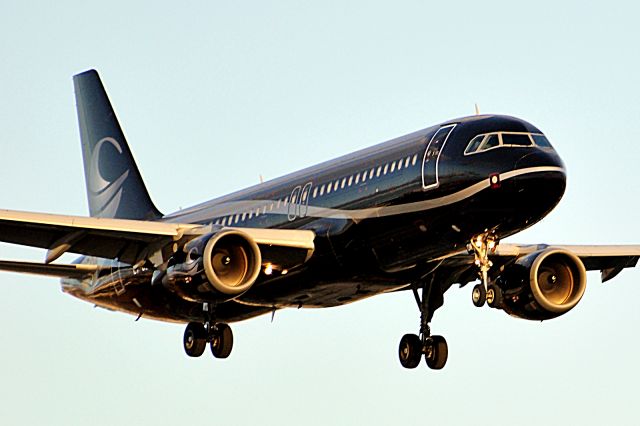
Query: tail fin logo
105, 195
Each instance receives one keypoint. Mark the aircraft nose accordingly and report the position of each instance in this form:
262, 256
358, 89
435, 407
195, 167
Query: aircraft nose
541, 176
547, 159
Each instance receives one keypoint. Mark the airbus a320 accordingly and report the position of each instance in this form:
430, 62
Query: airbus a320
419, 213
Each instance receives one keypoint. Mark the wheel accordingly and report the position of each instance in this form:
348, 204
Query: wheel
221, 341
194, 340
436, 352
410, 351
494, 296
479, 295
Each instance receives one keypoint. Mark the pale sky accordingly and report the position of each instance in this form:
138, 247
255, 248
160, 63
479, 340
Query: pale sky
213, 94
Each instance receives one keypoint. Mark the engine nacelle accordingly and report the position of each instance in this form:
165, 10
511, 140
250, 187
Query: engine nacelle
215, 267
543, 285
232, 262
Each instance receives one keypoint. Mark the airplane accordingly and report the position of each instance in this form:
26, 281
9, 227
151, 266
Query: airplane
419, 213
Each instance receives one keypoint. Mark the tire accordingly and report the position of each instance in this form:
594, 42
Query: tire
479, 295
436, 353
194, 340
410, 351
494, 296
221, 341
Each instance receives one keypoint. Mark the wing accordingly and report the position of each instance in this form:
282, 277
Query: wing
131, 241
610, 260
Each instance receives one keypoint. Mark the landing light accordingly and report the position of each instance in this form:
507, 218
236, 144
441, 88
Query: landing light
268, 270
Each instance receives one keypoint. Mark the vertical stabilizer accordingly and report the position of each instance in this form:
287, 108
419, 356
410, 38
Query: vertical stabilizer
114, 186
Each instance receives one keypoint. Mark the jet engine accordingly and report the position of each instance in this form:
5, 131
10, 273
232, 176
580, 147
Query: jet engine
214, 267
542, 285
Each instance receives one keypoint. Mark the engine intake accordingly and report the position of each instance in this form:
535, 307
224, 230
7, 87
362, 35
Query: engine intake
214, 267
543, 285
231, 262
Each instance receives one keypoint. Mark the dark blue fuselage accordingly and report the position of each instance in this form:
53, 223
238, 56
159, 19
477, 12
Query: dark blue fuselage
381, 215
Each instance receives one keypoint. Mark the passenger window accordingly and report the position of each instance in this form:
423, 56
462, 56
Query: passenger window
386, 169
516, 139
315, 192
406, 163
329, 189
399, 164
322, 190
244, 216
350, 181
393, 167
344, 182
224, 221
335, 185
379, 170
413, 161
371, 173
357, 178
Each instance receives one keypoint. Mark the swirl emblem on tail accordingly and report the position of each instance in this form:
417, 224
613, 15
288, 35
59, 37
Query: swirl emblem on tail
105, 195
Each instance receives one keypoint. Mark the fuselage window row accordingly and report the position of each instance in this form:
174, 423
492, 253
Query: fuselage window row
325, 188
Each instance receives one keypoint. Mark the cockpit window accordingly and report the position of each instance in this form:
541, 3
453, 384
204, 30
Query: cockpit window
484, 142
516, 139
491, 141
542, 141
474, 144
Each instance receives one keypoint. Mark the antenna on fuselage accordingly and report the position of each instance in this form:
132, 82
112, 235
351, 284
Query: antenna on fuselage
477, 109
261, 179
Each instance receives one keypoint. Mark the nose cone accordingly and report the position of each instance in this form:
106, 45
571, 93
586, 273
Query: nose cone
539, 183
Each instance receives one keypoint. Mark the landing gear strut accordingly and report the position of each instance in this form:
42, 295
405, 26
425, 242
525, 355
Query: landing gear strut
481, 246
412, 346
218, 335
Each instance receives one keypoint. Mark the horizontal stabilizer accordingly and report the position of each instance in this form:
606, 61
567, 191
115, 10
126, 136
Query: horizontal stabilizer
78, 271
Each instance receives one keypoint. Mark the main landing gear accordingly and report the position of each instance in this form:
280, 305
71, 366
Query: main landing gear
434, 348
481, 246
218, 335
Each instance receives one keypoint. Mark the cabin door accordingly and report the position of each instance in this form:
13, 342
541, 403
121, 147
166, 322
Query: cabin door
432, 157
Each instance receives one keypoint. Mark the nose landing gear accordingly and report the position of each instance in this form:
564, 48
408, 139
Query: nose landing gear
481, 246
